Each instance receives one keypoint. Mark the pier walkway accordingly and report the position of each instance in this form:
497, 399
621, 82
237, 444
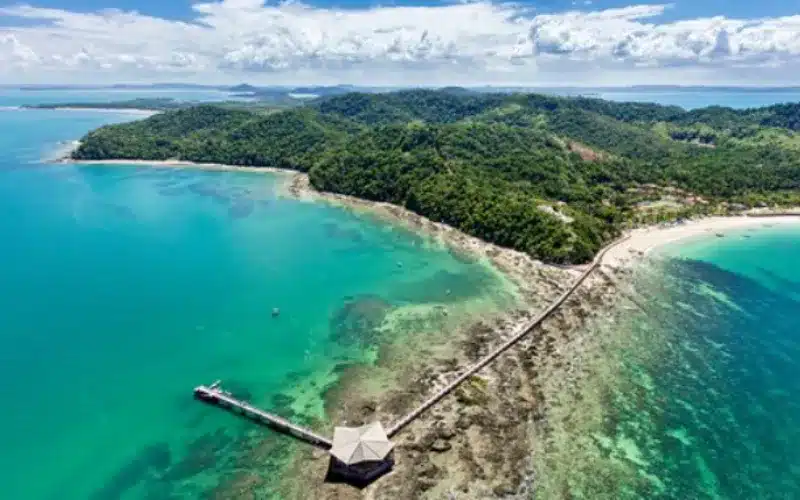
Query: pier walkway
215, 395
523, 331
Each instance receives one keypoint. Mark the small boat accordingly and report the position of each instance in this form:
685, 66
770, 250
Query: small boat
276, 312
720, 235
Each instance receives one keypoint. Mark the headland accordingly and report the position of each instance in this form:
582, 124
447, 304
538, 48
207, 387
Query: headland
481, 441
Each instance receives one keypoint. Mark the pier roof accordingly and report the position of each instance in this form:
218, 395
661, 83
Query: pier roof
368, 443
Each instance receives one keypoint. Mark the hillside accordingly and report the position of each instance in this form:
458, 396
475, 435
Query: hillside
554, 177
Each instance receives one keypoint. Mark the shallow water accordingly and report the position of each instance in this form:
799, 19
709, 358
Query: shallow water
15, 97
693, 392
123, 287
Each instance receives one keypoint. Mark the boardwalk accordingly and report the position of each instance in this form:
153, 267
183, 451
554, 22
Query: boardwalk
524, 330
216, 396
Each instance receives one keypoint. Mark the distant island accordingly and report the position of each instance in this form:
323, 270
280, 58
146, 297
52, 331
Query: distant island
155, 104
120, 86
339, 89
163, 104
555, 177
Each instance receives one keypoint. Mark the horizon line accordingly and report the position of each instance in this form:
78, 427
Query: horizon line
390, 86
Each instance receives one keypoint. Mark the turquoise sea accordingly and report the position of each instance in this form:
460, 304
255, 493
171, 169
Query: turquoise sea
16, 97
693, 391
123, 287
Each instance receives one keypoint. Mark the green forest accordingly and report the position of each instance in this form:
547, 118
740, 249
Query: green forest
555, 177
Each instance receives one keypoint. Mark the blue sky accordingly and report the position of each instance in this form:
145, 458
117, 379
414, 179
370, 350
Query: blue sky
682, 9
545, 42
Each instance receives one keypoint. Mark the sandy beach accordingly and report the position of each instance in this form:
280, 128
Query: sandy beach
174, 164
177, 164
124, 111
644, 240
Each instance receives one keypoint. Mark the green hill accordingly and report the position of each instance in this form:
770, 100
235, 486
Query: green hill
554, 177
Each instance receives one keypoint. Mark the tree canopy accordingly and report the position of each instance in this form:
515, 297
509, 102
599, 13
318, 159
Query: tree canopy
554, 177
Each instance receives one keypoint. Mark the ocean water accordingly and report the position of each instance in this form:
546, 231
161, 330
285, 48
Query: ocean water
123, 287
686, 98
15, 97
693, 392
690, 98
701, 98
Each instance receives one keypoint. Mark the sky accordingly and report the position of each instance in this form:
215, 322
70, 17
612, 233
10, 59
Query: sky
401, 42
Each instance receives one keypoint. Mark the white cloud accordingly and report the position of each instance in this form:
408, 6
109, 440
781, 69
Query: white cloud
474, 42
16, 54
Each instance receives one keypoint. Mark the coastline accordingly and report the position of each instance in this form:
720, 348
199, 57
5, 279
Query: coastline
478, 442
127, 111
299, 187
171, 164
645, 240
640, 241
410, 373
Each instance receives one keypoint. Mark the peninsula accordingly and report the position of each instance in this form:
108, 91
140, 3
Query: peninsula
141, 104
554, 177
157, 104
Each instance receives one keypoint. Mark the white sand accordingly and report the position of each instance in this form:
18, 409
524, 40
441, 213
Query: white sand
179, 164
644, 240
120, 111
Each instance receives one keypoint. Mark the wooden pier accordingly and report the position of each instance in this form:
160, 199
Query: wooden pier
214, 395
523, 331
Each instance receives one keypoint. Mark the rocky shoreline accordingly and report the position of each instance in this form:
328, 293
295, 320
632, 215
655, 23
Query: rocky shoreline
486, 440
490, 438
480, 441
